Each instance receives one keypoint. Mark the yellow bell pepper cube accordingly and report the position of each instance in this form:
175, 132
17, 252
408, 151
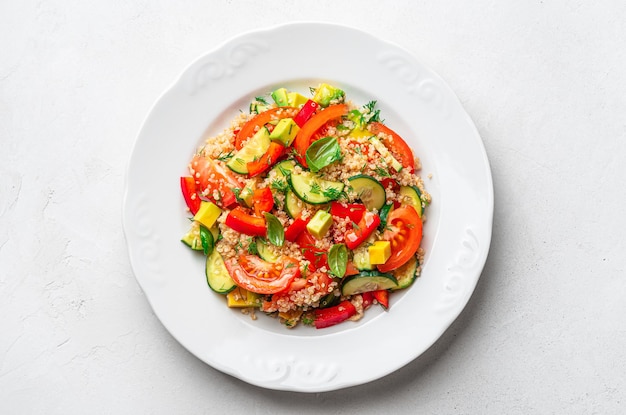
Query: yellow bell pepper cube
241, 298
207, 214
379, 251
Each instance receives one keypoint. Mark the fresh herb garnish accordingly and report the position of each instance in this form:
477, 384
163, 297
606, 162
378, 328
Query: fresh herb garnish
225, 157
338, 259
275, 230
322, 153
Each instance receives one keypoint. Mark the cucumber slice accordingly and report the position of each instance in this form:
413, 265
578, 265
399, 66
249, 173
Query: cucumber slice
314, 190
217, 275
293, 205
192, 238
266, 252
384, 214
369, 190
283, 168
406, 274
253, 150
368, 281
411, 195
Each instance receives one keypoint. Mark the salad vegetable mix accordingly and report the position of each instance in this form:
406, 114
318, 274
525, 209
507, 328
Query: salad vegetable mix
309, 209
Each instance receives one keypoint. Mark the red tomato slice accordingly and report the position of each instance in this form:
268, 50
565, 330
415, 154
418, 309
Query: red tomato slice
352, 211
262, 201
358, 234
316, 256
259, 120
396, 145
190, 193
213, 177
262, 277
404, 231
267, 160
306, 134
239, 220
315, 282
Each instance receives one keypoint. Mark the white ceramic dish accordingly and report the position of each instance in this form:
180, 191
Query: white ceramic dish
414, 101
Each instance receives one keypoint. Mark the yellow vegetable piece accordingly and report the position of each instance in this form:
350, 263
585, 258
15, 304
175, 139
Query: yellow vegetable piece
207, 214
242, 298
379, 251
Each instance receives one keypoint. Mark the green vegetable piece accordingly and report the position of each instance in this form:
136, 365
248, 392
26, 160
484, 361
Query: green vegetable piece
322, 153
280, 97
296, 100
319, 224
325, 94
338, 259
275, 230
285, 131
206, 238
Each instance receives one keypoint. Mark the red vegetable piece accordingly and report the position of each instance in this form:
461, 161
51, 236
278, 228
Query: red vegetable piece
239, 220
355, 236
382, 296
262, 201
352, 211
327, 317
306, 112
316, 256
295, 229
267, 160
259, 120
190, 193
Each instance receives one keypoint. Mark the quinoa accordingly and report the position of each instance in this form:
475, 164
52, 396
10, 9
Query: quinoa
316, 284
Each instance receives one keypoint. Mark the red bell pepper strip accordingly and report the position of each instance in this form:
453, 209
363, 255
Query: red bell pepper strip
295, 229
305, 135
368, 299
352, 211
239, 220
355, 236
326, 317
190, 193
267, 160
259, 120
316, 256
262, 201
382, 296
306, 112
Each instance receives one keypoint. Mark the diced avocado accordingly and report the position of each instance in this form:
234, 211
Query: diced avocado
319, 224
257, 107
241, 298
207, 214
246, 194
296, 100
379, 252
325, 93
386, 155
280, 97
285, 131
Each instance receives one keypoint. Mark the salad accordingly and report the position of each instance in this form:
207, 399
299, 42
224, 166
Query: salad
307, 209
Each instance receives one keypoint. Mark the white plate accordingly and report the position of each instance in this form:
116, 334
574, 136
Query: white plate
414, 101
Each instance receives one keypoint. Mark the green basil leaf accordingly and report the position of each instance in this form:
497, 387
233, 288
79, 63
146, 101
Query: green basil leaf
275, 230
206, 238
338, 260
322, 153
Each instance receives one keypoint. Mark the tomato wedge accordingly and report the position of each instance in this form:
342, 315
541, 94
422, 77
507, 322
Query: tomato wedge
267, 160
259, 120
239, 220
262, 277
305, 135
262, 201
404, 231
190, 193
215, 181
358, 234
396, 145
352, 211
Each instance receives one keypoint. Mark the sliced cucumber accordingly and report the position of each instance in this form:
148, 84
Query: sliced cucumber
369, 190
361, 255
406, 274
283, 168
192, 238
313, 189
293, 205
266, 252
411, 195
368, 281
217, 275
253, 150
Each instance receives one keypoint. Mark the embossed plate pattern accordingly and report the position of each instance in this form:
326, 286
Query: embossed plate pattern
414, 101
